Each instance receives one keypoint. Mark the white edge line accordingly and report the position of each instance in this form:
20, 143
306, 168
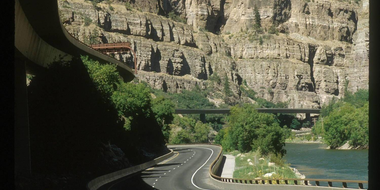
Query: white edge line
192, 177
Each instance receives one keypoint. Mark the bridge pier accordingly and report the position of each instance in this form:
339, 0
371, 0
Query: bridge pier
308, 118
203, 117
22, 136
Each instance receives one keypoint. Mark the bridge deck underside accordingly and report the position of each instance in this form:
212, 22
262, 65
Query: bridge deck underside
262, 110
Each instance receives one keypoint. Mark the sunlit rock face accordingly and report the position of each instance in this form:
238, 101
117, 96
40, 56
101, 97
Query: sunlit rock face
321, 45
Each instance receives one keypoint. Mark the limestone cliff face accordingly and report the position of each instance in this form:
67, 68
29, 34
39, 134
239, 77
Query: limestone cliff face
321, 44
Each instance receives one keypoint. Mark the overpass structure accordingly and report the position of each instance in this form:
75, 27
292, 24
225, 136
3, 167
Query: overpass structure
202, 112
41, 39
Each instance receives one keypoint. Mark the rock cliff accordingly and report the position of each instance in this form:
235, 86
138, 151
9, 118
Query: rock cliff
304, 53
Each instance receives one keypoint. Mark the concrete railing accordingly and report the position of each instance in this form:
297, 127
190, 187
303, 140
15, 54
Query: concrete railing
102, 180
283, 184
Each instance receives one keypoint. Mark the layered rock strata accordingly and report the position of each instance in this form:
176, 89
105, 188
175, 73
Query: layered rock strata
321, 44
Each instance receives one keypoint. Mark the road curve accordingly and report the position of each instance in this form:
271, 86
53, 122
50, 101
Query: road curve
187, 169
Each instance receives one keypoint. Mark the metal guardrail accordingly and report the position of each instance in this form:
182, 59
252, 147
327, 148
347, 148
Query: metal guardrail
290, 181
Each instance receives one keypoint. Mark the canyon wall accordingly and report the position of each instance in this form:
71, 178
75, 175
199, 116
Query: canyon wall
304, 53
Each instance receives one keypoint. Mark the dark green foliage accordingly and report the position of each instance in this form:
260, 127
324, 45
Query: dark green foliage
261, 41
110, 7
172, 15
358, 99
70, 119
273, 30
128, 6
191, 100
215, 78
133, 104
306, 124
87, 21
227, 90
249, 130
295, 124
163, 110
104, 76
328, 108
337, 124
195, 99
257, 18
345, 120
359, 127
191, 131
182, 137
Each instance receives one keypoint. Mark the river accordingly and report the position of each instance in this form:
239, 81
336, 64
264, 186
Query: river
315, 161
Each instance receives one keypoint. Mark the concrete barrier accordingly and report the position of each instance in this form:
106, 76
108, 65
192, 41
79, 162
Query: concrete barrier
102, 180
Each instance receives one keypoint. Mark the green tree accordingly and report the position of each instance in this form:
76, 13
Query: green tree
295, 124
105, 77
132, 100
257, 18
227, 90
249, 130
359, 127
163, 110
182, 137
201, 131
337, 125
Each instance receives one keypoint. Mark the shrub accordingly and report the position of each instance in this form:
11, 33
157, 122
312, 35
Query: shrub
87, 21
128, 6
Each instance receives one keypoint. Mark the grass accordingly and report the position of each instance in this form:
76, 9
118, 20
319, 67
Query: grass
260, 166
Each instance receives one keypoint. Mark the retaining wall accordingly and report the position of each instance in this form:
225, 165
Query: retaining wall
100, 181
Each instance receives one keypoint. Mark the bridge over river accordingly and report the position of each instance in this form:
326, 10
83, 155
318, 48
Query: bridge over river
202, 112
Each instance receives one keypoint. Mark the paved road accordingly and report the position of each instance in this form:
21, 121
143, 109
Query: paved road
187, 169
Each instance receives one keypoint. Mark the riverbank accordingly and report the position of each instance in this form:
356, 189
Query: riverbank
252, 166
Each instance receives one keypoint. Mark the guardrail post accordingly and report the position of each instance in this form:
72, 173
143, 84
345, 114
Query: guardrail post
330, 183
286, 181
317, 183
344, 184
278, 182
360, 185
250, 181
305, 182
295, 182
262, 181
270, 181
256, 182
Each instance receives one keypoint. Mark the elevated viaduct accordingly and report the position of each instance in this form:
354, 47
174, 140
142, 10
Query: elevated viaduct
41, 39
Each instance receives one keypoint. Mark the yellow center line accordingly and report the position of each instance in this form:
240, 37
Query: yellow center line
177, 153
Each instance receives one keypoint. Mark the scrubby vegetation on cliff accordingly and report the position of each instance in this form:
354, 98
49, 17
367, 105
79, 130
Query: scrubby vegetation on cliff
345, 120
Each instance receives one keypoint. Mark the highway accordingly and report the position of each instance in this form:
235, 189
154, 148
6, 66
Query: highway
187, 169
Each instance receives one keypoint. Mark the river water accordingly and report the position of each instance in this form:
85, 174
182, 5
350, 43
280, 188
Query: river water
315, 161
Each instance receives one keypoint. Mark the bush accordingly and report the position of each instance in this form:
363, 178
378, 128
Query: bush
249, 130
172, 15
273, 30
128, 6
87, 21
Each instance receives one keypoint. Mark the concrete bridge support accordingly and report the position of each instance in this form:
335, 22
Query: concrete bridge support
203, 117
308, 118
22, 140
